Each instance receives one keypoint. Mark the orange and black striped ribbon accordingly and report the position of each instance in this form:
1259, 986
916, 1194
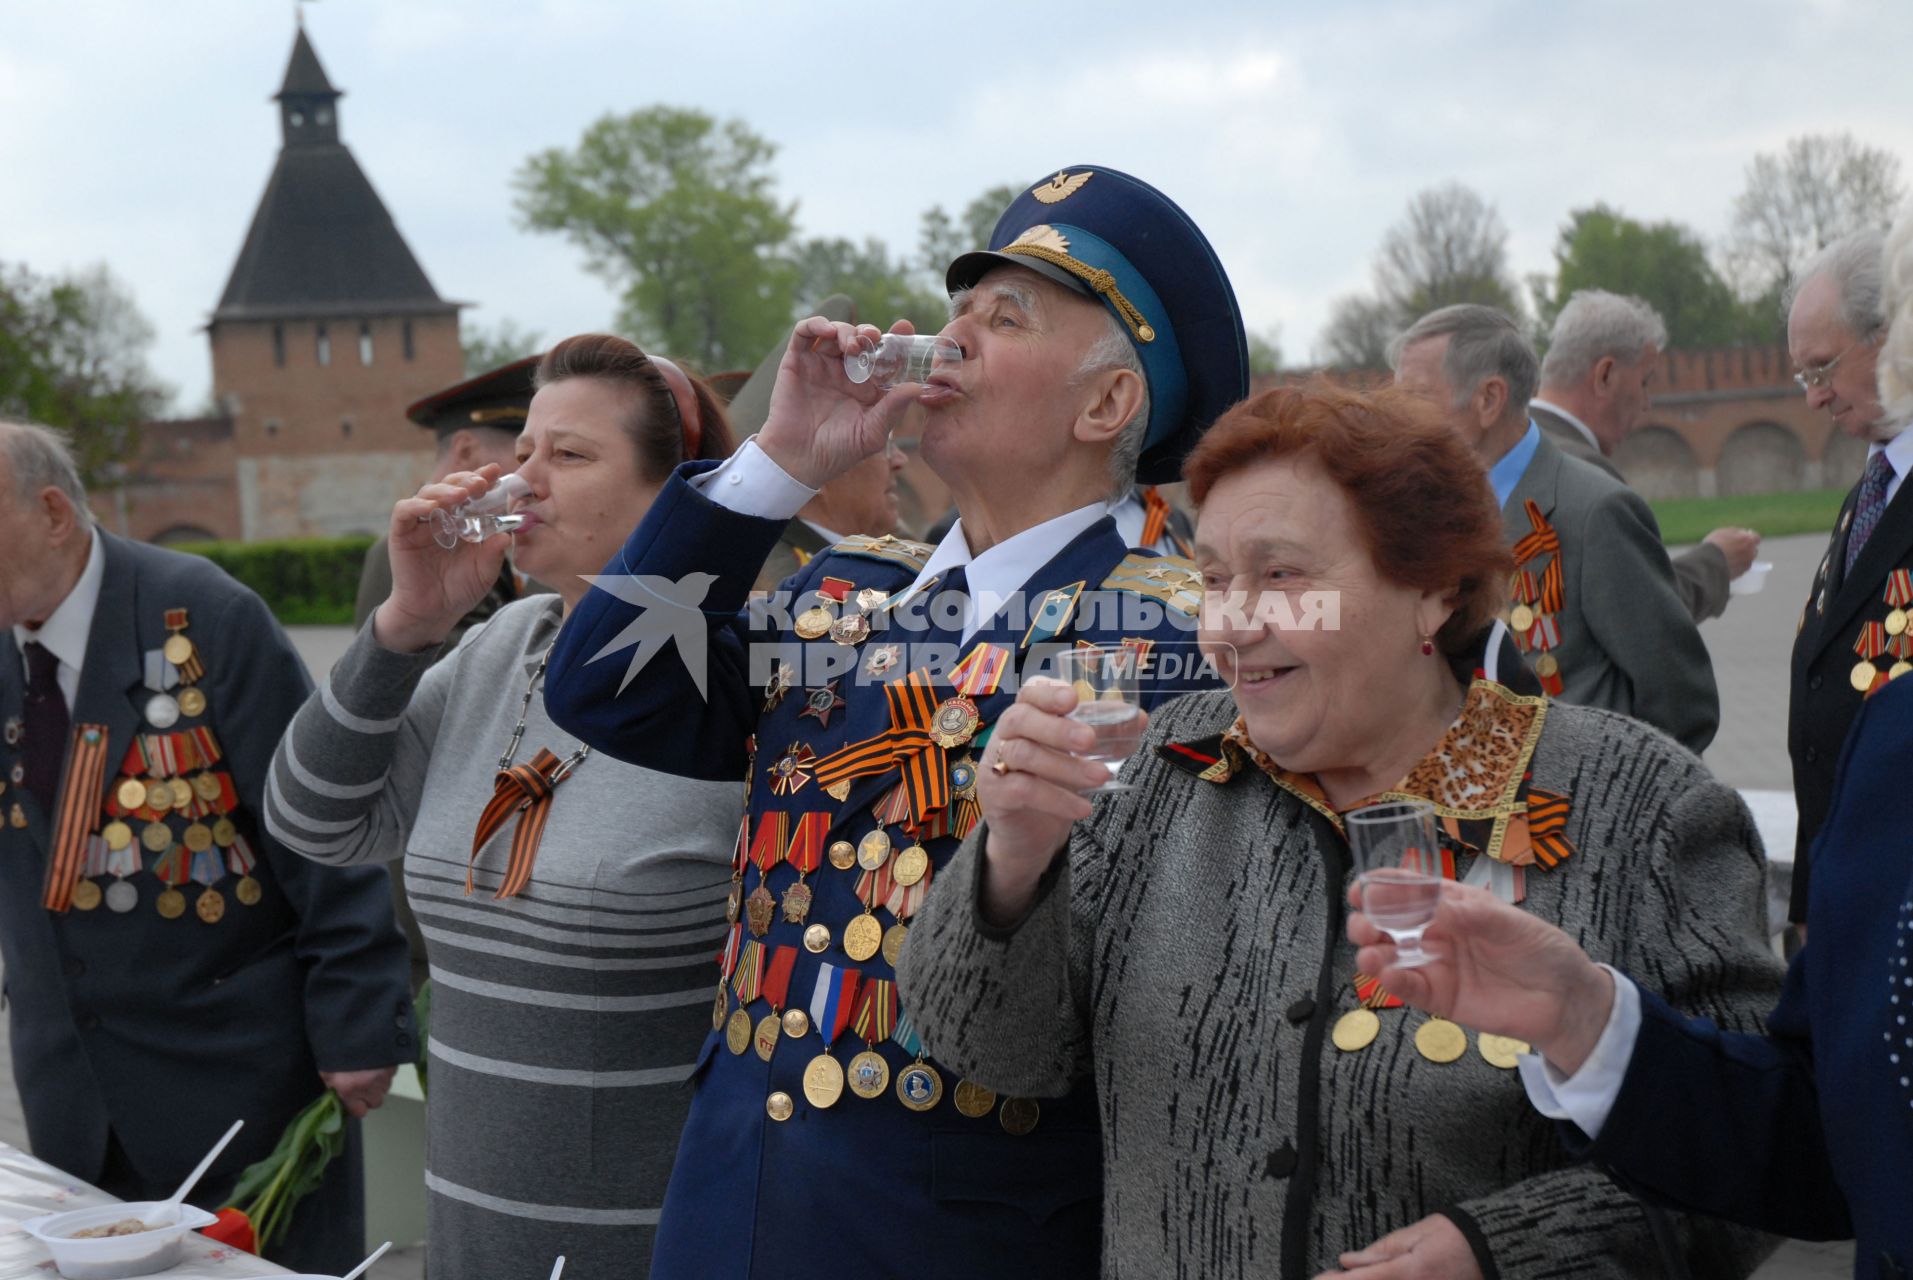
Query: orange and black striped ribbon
906, 743
76, 813
523, 789
1547, 820
1155, 521
876, 1012
1544, 541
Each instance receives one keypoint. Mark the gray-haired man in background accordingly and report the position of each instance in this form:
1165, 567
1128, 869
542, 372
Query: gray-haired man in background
1595, 388
1594, 604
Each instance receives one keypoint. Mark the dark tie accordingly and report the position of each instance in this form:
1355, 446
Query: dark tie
44, 744
1871, 505
943, 621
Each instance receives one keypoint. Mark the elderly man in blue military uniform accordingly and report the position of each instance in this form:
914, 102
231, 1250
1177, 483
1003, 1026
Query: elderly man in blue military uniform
170, 967
1099, 336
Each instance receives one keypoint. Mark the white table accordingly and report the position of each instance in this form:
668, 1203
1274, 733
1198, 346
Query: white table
30, 1187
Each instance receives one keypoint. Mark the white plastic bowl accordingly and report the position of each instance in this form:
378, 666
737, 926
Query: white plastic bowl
115, 1257
1750, 582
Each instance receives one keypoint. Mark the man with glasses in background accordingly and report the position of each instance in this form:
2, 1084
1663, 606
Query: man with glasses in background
1855, 631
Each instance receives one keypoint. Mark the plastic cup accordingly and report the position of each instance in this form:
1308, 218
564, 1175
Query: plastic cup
1750, 582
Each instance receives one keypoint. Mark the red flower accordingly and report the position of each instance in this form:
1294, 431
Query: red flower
234, 1228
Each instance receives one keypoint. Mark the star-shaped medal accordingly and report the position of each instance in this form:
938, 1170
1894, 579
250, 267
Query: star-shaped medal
790, 771
819, 703
782, 681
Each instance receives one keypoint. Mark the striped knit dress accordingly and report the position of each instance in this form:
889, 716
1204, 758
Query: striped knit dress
564, 1018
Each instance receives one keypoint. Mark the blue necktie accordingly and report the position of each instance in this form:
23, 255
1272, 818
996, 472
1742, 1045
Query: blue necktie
1871, 505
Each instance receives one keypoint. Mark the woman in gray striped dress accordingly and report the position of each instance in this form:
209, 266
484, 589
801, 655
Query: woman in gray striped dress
568, 952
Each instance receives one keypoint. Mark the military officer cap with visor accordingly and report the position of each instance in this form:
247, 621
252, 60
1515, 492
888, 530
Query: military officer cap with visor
1118, 240
499, 398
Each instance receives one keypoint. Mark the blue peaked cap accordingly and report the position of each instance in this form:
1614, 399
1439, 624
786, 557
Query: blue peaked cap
1117, 239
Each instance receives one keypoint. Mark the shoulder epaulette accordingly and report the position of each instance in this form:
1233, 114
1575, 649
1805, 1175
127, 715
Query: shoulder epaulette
888, 548
1170, 579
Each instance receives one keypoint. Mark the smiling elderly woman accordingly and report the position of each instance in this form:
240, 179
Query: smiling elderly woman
1265, 1109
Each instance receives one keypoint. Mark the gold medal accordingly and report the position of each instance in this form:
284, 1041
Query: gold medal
873, 850
156, 836
1440, 1040
86, 895
1502, 1051
117, 835
17, 816
1861, 677
1521, 618
192, 702
159, 795
1896, 622
779, 1106
1898, 669
796, 1023
893, 943
863, 937
131, 794
206, 786
823, 1081
758, 910
764, 1040
224, 833
1356, 1029
817, 938
919, 1087
198, 837
973, 1100
737, 1031
722, 1007
178, 650
813, 623
954, 722
182, 793
843, 855
248, 891
211, 906
1547, 665
912, 865
1019, 1115
171, 903
869, 1074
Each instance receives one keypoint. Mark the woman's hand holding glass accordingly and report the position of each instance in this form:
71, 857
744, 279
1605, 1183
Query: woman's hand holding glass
432, 587
1496, 968
1037, 773
820, 422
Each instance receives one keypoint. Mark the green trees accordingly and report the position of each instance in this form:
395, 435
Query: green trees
1663, 263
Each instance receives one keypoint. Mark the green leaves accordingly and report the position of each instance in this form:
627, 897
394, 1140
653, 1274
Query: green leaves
269, 1190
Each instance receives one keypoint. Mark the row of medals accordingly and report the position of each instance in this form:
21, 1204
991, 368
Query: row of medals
1437, 1039
1521, 620
161, 794
918, 1086
1866, 671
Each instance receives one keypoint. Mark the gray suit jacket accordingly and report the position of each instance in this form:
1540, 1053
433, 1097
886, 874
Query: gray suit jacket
1700, 573
1627, 641
165, 1031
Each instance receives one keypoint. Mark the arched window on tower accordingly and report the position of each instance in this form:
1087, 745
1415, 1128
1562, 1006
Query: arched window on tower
324, 347
365, 342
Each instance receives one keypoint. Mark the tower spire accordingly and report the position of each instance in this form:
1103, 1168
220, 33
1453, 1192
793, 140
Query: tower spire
308, 104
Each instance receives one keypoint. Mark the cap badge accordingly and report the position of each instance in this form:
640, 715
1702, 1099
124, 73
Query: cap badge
1061, 187
1045, 236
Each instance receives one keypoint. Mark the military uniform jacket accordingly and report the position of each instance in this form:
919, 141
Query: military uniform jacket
867, 1186
1822, 699
1700, 573
795, 549
1625, 642
167, 1030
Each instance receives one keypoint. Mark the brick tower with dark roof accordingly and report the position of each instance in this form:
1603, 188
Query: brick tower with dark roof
327, 329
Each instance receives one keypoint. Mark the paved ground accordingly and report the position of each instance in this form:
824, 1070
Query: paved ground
1750, 647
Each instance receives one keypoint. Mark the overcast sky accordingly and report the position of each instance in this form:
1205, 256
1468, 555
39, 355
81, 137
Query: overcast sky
140, 134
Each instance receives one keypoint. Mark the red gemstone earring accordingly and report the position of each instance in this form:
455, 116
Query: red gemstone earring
1427, 646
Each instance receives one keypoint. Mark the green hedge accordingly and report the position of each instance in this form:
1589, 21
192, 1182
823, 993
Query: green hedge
1774, 515
304, 581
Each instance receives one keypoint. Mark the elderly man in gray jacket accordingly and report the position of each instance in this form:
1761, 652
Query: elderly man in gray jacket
1602, 357
1595, 608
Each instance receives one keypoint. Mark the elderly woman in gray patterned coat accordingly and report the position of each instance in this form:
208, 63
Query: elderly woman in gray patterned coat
1266, 1109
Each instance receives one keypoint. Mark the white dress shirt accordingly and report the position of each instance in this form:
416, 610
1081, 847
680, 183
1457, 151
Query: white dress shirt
66, 632
1588, 1095
1899, 456
1555, 409
751, 483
